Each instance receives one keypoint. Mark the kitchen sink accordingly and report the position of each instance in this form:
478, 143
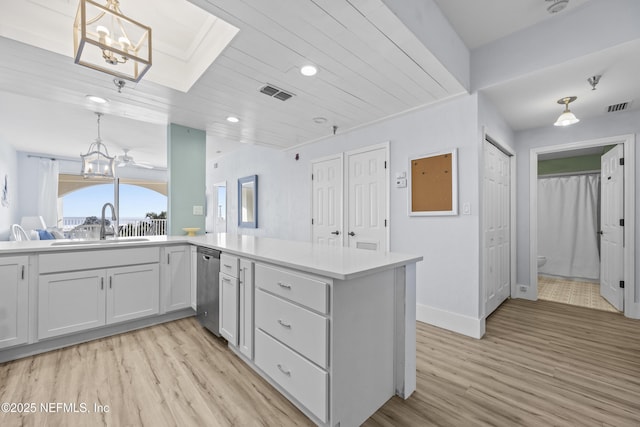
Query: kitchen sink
97, 242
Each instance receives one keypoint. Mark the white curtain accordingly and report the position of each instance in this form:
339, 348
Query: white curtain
48, 191
568, 226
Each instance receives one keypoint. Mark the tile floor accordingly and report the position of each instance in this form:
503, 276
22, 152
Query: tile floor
573, 292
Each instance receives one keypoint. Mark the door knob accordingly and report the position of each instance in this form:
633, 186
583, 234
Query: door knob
600, 232
351, 233
337, 232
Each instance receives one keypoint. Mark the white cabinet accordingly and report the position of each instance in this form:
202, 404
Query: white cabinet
79, 300
292, 334
176, 285
229, 310
133, 292
70, 302
14, 300
236, 302
246, 308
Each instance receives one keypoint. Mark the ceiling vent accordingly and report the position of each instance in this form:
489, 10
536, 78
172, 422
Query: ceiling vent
275, 92
618, 107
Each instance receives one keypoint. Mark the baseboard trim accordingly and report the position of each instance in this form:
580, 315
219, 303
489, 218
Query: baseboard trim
455, 322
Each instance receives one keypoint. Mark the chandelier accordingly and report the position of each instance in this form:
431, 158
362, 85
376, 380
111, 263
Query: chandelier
97, 163
106, 40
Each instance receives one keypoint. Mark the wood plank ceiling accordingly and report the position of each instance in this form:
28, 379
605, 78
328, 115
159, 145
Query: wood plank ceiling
370, 67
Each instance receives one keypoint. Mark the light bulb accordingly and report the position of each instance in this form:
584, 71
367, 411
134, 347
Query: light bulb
124, 42
102, 30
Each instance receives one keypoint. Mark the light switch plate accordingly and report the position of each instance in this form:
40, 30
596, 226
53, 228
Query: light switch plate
198, 210
466, 209
401, 182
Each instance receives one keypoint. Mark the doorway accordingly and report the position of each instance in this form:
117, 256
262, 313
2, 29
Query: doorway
350, 199
497, 236
580, 253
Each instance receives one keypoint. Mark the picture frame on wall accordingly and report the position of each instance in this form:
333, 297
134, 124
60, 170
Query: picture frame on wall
433, 184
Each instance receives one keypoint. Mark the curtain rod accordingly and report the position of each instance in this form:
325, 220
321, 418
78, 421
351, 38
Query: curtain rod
52, 158
555, 175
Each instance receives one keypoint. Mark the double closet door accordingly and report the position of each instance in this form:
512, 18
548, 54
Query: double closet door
350, 199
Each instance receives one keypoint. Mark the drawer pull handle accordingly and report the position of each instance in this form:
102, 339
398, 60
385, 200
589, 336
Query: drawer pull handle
284, 324
227, 266
284, 371
284, 285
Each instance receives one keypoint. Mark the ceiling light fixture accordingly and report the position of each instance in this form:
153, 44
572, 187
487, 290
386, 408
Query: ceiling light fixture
97, 99
233, 119
97, 163
308, 70
567, 117
106, 40
320, 120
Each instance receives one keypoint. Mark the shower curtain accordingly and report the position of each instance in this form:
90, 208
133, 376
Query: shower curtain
568, 226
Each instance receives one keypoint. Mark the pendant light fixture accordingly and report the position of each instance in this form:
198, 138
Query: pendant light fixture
97, 163
567, 117
106, 40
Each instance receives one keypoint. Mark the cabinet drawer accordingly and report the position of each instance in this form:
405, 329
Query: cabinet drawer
302, 330
229, 265
304, 290
299, 377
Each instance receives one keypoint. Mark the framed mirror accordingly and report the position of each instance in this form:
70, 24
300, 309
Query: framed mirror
248, 202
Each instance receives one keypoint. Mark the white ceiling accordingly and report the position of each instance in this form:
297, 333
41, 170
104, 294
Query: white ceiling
370, 67
481, 22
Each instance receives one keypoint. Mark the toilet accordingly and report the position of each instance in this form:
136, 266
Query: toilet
541, 260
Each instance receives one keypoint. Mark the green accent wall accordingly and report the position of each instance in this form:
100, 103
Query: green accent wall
186, 159
569, 164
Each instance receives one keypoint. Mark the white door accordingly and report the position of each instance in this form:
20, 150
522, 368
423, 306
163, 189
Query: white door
496, 227
367, 199
611, 229
326, 210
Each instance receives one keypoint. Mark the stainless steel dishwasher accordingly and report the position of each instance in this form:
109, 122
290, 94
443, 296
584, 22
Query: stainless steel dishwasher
207, 296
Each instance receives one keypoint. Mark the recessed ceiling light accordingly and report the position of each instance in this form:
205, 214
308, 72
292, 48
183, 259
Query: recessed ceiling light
233, 119
308, 70
97, 99
319, 120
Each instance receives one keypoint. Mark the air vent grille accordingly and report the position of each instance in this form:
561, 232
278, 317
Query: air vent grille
275, 92
618, 107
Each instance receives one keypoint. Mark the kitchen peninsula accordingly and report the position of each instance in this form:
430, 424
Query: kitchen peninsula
333, 329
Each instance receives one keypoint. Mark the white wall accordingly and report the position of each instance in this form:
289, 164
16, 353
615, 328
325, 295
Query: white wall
8, 167
613, 124
447, 279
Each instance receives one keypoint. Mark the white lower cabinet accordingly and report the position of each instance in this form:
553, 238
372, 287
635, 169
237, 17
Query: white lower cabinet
292, 334
76, 301
14, 300
236, 302
133, 292
176, 284
299, 377
229, 309
246, 296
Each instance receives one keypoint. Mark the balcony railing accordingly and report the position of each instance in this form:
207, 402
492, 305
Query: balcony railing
129, 227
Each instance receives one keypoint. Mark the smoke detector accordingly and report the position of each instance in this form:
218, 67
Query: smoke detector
557, 5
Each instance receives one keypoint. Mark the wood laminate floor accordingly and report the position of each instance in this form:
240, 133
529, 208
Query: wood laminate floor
539, 364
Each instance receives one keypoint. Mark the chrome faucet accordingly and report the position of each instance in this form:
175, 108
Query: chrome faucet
103, 232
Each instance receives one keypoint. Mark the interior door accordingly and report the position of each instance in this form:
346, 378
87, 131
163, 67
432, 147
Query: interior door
326, 202
611, 229
496, 227
367, 199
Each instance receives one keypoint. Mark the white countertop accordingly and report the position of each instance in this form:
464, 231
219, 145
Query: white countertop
335, 262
